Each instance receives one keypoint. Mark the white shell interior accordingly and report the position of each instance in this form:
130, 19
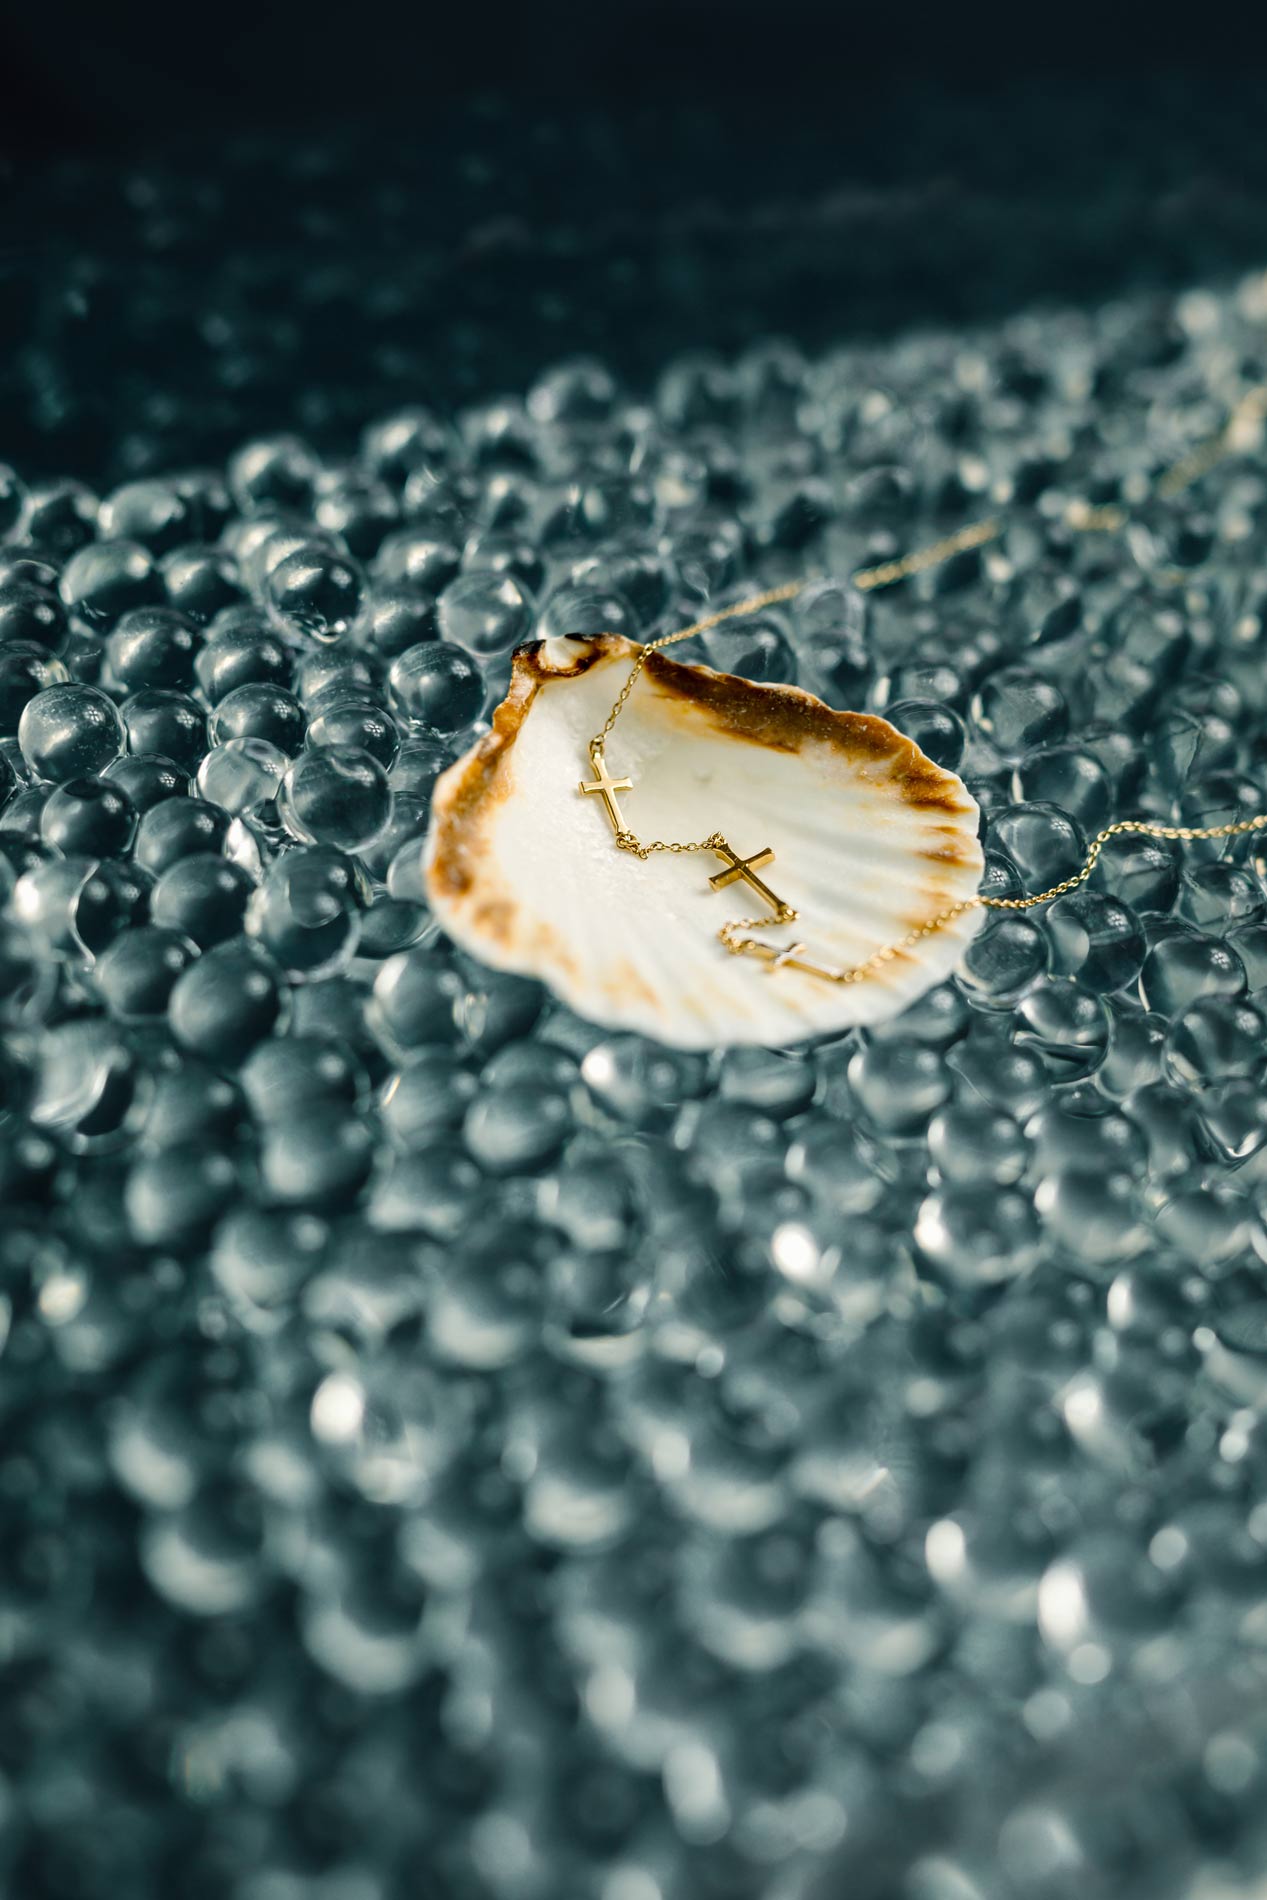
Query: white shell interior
633, 944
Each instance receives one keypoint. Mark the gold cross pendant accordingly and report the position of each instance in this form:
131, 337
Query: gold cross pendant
793, 958
605, 787
737, 867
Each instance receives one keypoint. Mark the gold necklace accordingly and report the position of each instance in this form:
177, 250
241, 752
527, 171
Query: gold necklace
1241, 431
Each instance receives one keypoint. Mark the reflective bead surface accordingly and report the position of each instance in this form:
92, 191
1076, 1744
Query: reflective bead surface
451, 1447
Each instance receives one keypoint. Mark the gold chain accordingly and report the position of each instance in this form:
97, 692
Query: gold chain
627, 840
751, 947
975, 535
1249, 414
753, 605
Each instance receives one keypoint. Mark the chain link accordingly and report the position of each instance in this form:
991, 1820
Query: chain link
976, 535
1137, 827
1246, 418
628, 841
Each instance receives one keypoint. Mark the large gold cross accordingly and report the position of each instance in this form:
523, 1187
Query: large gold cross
737, 867
605, 787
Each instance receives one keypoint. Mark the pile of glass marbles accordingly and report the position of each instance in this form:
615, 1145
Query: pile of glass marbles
447, 1448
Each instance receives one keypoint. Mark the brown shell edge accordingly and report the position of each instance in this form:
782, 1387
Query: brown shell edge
783, 717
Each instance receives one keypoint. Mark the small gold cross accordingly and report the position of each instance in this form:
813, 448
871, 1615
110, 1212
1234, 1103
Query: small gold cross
605, 787
794, 958
738, 867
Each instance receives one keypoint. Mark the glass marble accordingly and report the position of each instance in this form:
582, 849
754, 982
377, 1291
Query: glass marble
175, 1197
262, 1258
154, 513
192, 1101
414, 999
297, 1070
1019, 710
259, 710
59, 516
936, 729
314, 593
393, 619
360, 512
227, 1002
22, 813
135, 975
32, 613
202, 897
278, 470
106, 579
85, 1086
147, 779
151, 646
504, 552
1044, 843
200, 582
242, 776
88, 817
427, 1099
1095, 938
325, 673
318, 1157
1004, 961
74, 907
240, 650
69, 731
178, 827
408, 439
358, 723
517, 1129
1070, 777
578, 610
306, 912
172, 724
437, 687
485, 612
419, 559
115, 898
46, 901
336, 795
1183, 965
28, 569
25, 670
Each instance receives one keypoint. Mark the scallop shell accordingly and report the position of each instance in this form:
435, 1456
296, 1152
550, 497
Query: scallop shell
871, 840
